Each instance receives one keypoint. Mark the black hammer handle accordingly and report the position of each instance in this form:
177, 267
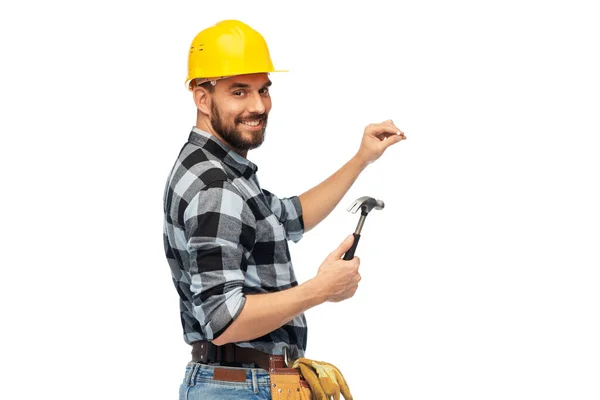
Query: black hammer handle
350, 253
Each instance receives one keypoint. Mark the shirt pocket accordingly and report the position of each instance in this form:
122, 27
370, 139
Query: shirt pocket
270, 230
271, 250
277, 228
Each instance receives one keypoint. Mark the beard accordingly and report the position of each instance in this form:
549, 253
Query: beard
233, 136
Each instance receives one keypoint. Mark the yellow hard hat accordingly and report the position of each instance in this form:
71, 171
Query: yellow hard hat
228, 48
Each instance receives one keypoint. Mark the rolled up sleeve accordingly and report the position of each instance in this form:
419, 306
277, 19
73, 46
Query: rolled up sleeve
220, 230
289, 212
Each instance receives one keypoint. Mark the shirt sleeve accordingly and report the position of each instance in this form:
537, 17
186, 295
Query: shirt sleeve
220, 230
289, 212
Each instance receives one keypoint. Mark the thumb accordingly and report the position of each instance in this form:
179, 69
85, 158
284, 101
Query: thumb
343, 247
392, 140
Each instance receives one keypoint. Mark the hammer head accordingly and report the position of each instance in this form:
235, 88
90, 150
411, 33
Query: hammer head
365, 204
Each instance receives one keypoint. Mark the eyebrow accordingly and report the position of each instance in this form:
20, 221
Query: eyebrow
239, 85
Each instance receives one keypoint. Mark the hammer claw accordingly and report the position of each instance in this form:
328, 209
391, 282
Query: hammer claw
365, 204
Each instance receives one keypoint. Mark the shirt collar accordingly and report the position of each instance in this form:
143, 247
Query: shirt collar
216, 147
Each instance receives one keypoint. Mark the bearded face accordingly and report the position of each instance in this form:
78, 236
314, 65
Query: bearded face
242, 132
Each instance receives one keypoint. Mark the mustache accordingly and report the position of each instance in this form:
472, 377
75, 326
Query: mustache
254, 116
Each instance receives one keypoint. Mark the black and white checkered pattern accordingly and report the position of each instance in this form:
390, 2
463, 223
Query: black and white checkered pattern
225, 237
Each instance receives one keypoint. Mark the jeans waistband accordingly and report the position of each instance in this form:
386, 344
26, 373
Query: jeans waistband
196, 373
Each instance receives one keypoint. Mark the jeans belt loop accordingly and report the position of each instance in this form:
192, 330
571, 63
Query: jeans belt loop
190, 379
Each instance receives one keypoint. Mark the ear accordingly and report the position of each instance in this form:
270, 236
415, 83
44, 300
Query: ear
202, 100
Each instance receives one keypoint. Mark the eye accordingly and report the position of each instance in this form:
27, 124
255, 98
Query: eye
264, 91
239, 93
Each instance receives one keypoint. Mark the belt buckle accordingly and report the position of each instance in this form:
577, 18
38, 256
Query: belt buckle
287, 358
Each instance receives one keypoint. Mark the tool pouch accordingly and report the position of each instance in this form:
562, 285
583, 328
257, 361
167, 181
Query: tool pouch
288, 384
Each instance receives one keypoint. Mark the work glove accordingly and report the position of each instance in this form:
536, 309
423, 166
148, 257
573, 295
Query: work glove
324, 379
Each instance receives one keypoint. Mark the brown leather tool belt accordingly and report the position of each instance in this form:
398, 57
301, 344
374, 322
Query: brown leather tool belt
284, 380
207, 352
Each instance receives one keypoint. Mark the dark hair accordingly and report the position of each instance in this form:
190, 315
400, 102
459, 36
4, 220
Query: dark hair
206, 85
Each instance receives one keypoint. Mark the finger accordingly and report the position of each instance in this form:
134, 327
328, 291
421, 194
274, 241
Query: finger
345, 390
385, 135
391, 141
378, 129
327, 379
393, 126
330, 387
313, 381
343, 247
381, 126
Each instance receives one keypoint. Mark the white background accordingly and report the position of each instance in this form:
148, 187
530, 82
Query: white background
481, 275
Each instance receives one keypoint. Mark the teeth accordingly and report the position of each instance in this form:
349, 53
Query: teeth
251, 123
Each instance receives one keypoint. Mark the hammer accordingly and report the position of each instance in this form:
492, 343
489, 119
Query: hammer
365, 204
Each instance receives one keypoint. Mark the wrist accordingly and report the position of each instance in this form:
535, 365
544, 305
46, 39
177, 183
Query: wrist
360, 161
314, 292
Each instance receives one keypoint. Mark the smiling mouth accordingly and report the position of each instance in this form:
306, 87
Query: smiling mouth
253, 123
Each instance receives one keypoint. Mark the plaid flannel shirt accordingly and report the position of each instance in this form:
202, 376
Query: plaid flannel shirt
226, 238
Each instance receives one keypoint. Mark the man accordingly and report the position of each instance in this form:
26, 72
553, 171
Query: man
226, 238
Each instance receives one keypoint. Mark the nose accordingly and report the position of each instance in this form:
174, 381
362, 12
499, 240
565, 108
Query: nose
257, 104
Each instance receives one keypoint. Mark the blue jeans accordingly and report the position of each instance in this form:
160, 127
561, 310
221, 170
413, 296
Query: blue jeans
199, 384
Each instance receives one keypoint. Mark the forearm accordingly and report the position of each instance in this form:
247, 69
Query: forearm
319, 201
263, 313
